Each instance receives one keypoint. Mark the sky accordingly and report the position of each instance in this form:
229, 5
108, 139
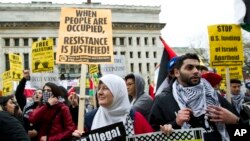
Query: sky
186, 20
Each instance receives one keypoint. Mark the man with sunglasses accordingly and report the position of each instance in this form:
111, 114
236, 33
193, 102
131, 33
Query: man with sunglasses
191, 102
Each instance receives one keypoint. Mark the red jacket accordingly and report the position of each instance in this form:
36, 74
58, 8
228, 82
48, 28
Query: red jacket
141, 125
60, 128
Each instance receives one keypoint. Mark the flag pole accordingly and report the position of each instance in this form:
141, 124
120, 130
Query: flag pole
80, 125
228, 84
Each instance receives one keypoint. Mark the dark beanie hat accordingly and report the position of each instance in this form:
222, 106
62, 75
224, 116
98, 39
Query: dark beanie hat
4, 99
213, 78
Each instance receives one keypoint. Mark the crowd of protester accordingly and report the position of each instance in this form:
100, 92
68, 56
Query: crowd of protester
192, 99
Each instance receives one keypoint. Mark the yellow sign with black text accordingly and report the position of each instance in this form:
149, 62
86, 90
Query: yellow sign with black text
85, 37
7, 83
42, 56
234, 71
16, 66
225, 45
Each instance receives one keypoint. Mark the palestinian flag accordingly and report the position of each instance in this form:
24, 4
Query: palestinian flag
91, 87
162, 77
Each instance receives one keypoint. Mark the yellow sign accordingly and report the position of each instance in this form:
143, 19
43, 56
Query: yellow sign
16, 66
85, 37
87, 83
234, 71
225, 45
7, 83
93, 69
42, 56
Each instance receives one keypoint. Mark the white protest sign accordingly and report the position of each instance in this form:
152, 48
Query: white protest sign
38, 80
117, 68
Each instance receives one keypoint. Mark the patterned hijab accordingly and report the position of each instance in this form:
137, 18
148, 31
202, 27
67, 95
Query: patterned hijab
197, 98
119, 109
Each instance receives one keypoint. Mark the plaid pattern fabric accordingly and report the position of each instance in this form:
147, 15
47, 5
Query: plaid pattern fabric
129, 126
46, 96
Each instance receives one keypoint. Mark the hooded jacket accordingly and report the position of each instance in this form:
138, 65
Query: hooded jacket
143, 102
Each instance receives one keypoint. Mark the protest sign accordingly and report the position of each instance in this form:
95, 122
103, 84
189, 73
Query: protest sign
37, 80
42, 56
226, 50
234, 71
16, 66
225, 45
7, 83
114, 132
118, 68
85, 37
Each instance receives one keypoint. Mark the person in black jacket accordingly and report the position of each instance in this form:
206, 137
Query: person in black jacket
19, 94
11, 129
27, 108
191, 102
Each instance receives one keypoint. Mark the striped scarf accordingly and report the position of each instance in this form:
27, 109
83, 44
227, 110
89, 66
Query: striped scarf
197, 98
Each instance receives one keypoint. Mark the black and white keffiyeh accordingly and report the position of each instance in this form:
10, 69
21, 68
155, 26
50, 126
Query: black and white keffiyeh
237, 101
197, 98
129, 126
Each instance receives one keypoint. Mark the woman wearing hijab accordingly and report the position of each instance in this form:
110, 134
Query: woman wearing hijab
114, 107
53, 117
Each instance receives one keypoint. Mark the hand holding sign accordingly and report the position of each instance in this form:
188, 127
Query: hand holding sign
77, 133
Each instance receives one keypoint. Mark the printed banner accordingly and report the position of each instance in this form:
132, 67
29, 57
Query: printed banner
42, 56
195, 134
234, 71
85, 37
118, 68
114, 132
37, 80
7, 83
16, 66
225, 45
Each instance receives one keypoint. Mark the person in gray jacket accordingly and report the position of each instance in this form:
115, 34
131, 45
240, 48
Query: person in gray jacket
139, 99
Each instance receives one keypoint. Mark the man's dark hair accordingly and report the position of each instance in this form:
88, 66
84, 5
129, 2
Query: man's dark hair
130, 76
235, 81
203, 68
180, 60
